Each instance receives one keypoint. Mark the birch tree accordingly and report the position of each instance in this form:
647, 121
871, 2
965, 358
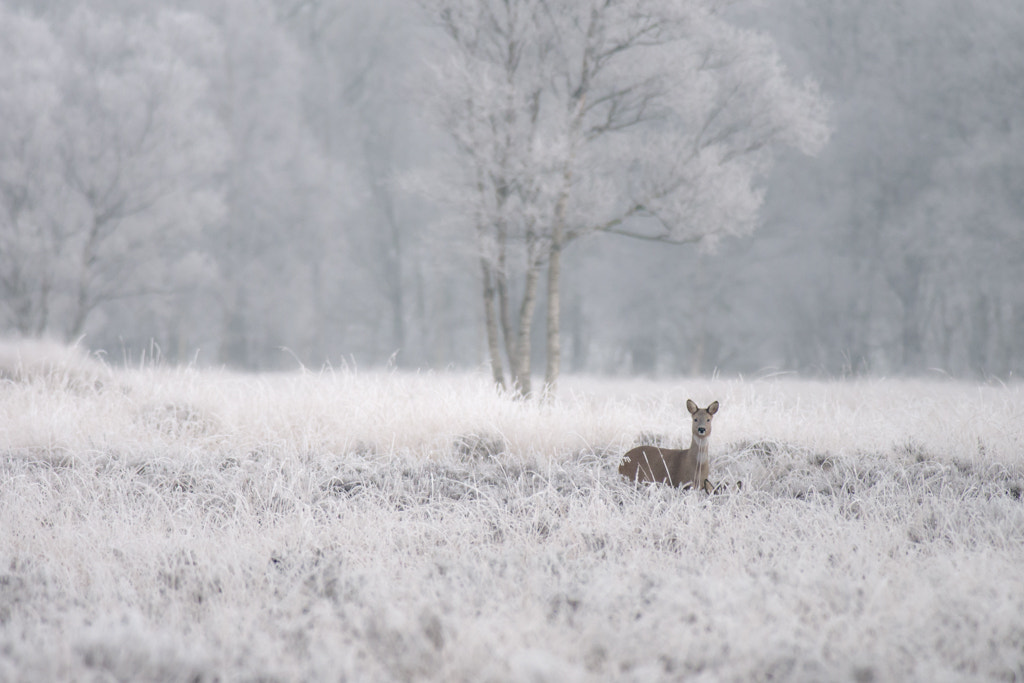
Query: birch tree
489, 97
646, 118
670, 116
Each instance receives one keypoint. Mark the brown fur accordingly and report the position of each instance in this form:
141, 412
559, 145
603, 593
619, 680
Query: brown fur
688, 468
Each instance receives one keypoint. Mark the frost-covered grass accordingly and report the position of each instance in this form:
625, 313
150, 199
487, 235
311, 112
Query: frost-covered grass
182, 525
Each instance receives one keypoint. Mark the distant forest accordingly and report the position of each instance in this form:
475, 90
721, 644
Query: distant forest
615, 187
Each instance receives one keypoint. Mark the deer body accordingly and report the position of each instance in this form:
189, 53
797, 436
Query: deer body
688, 468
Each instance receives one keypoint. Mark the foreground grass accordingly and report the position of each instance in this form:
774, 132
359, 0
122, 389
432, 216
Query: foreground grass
197, 526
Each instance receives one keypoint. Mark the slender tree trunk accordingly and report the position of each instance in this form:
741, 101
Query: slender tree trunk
980, 336
424, 333
554, 344
83, 300
523, 347
578, 333
314, 346
554, 339
508, 334
1016, 364
491, 323
907, 285
395, 276
488, 278
43, 318
397, 301
554, 331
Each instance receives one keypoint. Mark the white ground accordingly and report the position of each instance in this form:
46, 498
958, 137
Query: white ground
199, 526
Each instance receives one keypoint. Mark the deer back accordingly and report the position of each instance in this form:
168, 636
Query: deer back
677, 467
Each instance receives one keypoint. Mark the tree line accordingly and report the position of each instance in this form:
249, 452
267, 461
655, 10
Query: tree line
613, 186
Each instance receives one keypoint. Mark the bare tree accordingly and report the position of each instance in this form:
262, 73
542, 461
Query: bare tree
120, 169
647, 118
672, 112
29, 95
914, 214
491, 84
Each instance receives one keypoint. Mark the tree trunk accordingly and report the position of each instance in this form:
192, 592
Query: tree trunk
491, 324
523, 348
1016, 357
554, 344
83, 301
508, 334
980, 335
910, 334
578, 333
314, 345
906, 284
424, 333
395, 268
554, 339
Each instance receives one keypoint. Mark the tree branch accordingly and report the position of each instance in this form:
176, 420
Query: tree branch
663, 238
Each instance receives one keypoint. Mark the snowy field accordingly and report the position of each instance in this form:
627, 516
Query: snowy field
184, 525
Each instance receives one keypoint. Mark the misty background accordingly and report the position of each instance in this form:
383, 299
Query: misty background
242, 184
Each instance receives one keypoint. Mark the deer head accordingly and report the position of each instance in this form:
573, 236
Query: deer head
701, 418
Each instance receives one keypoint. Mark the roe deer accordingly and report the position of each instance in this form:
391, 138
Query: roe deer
687, 468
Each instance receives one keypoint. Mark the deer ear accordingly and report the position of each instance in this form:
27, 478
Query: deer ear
713, 408
691, 406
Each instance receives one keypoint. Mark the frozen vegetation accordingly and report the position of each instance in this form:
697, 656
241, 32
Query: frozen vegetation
185, 525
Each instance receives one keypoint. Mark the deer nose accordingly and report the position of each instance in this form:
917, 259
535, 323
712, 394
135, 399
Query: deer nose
701, 430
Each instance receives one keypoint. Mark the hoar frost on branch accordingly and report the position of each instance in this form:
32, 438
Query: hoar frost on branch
646, 118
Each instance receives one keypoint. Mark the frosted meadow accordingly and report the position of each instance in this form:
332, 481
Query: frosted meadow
187, 525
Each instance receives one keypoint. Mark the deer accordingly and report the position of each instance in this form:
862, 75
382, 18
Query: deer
686, 468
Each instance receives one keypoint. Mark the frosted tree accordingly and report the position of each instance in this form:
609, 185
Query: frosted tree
30, 243
954, 210
647, 118
279, 200
489, 96
117, 158
914, 221
357, 61
670, 117
141, 151
338, 42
